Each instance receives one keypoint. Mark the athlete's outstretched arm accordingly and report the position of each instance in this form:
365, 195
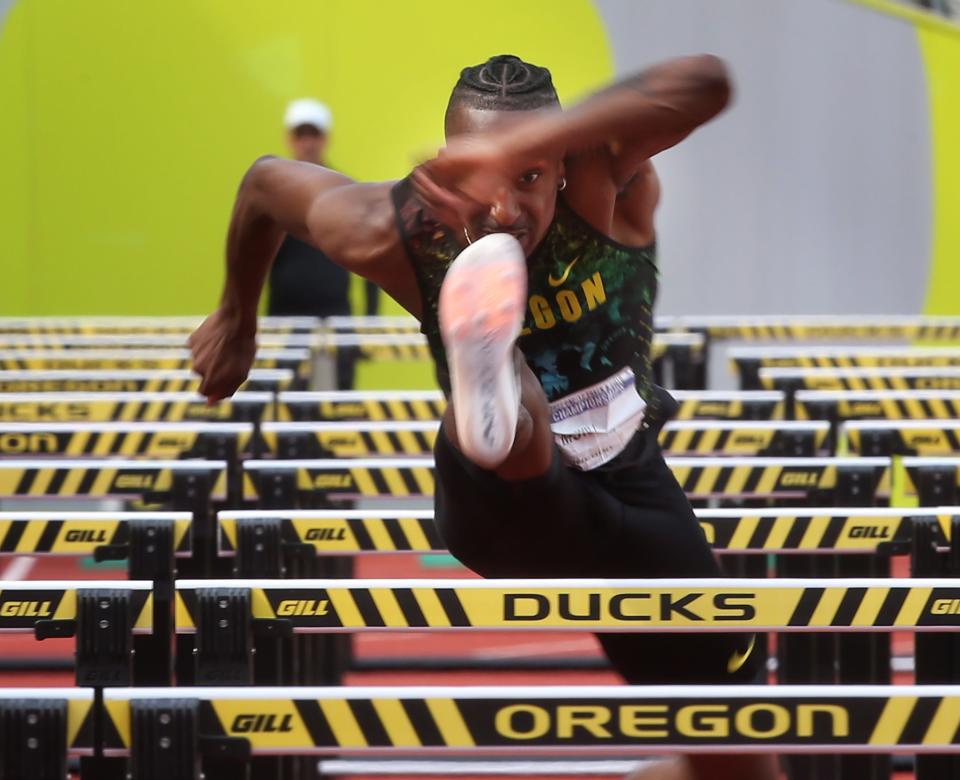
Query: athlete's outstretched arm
351, 222
613, 132
642, 115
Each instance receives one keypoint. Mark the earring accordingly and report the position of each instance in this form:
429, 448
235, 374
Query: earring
563, 183
466, 235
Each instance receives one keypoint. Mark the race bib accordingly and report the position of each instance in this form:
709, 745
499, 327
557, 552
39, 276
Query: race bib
593, 425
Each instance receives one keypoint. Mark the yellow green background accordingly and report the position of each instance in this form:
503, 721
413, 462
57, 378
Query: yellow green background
127, 126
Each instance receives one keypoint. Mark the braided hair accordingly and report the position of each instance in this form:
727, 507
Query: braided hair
504, 83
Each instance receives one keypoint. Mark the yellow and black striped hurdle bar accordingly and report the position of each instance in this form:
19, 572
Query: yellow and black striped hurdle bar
297, 360
684, 352
182, 485
375, 324
105, 616
840, 405
687, 437
133, 325
770, 530
87, 533
149, 725
412, 345
931, 478
747, 361
222, 441
68, 478
163, 381
723, 477
142, 341
131, 407
902, 437
404, 405
818, 327
150, 542
791, 380
745, 604
216, 611
163, 440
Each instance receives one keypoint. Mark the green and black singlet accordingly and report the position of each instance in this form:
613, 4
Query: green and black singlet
588, 326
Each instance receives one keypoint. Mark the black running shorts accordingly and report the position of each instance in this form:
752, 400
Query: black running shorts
631, 520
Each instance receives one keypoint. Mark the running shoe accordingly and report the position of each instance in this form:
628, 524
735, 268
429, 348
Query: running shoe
482, 303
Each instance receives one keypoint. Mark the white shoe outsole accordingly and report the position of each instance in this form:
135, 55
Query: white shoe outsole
482, 303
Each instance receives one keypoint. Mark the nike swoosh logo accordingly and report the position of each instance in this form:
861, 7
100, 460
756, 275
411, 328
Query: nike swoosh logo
738, 659
557, 282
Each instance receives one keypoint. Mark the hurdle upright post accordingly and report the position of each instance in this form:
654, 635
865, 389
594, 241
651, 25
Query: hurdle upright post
936, 655
862, 658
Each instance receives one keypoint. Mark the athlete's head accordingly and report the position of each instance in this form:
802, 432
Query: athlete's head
494, 92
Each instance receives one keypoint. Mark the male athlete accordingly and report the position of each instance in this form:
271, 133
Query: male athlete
526, 249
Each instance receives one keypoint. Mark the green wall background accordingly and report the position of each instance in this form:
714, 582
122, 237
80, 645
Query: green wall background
127, 126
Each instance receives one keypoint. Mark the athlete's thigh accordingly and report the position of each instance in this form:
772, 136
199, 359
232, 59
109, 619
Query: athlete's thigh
555, 525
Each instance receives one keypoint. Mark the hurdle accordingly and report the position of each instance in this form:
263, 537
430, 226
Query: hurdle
780, 530
225, 441
229, 618
104, 535
163, 440
678, 358
131, 407
100, 341
902, 437
183, 485
185, 325
747, 438
908, 378
297, 360
177, 730
164, 381
367, 439
736, 328
818, 327
747, 361
701, 478
332, 406
840, 405
729, 405
104, 616
150, 543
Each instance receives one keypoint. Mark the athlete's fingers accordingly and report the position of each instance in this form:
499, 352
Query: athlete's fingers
451, 206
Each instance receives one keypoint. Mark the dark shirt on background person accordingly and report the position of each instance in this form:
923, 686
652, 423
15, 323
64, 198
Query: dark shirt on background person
304, 282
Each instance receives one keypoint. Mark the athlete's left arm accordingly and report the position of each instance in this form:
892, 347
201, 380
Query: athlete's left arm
636, 118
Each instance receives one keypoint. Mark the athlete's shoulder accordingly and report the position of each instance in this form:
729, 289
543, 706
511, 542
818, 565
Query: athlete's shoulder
622, 211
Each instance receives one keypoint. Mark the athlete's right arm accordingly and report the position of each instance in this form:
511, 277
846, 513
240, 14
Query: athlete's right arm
351, 222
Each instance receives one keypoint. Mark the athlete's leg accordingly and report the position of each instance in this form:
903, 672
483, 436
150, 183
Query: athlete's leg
532, 450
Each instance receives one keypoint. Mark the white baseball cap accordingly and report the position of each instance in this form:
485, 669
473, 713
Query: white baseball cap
308, 111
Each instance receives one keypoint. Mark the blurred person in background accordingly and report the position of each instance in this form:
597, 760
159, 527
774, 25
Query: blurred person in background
304, 282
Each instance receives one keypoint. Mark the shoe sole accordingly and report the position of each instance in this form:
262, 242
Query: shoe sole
481, 310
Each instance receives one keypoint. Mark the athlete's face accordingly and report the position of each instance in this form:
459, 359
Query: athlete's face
525, 200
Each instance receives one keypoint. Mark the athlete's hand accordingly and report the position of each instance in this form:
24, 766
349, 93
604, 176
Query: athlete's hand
459, 183
223, 352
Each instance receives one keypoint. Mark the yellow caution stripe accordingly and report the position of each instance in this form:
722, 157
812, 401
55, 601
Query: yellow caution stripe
699, 477
647, 605
55, 477
81, 533
22, 604
823, 719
